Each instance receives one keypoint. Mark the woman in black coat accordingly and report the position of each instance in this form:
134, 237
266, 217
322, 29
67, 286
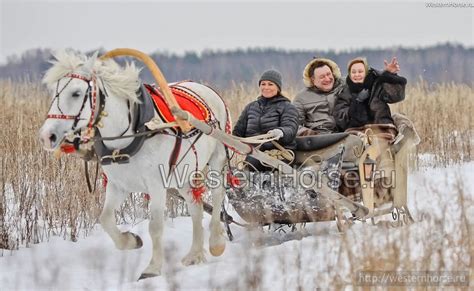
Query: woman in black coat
271, 113
365, 97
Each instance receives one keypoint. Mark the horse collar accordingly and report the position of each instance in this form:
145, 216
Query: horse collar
143, 113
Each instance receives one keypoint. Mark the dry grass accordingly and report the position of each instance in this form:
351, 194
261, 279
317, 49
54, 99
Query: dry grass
441, 239
442, 114
42, 196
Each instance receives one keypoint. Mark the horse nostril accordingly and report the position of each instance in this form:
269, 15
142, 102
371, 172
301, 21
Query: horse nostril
52, 138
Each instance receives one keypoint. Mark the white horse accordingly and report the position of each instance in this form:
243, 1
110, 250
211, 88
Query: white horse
77, 81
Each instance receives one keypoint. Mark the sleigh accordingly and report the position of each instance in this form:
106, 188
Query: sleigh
357, 175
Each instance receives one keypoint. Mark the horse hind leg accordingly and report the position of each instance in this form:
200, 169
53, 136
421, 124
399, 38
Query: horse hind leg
217, 238
196, 254
122, 240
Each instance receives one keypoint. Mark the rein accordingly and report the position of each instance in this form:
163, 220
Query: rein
88, 180
257, 139
157, 129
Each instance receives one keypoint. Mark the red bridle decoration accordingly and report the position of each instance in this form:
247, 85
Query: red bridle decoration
60, 116
93, 105
93, 101
93, 86
77, 76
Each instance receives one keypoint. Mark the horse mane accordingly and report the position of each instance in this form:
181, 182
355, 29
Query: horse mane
122, 82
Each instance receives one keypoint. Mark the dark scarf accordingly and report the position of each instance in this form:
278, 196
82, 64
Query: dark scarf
367, 84
354, 87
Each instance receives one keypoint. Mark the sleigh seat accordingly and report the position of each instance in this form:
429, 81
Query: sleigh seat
320, 141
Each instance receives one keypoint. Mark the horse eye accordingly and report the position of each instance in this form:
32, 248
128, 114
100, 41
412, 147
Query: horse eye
76, 94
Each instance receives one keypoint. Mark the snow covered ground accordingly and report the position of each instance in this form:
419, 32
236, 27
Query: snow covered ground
314, 256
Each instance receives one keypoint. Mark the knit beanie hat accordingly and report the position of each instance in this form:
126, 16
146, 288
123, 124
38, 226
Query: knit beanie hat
273, 76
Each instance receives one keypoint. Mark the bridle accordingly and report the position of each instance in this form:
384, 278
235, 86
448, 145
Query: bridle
91, 95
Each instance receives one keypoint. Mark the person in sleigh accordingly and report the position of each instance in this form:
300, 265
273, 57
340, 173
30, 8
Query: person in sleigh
315, 103
271, 113
363, 107
365, 97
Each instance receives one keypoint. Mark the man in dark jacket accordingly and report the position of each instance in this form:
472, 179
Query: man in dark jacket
270, 113
365, 97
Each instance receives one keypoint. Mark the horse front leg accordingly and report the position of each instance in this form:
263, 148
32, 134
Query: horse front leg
157, 210
122, 240
196, 254
217, 238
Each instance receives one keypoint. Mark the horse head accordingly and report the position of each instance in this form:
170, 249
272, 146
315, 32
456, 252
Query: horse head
80, 86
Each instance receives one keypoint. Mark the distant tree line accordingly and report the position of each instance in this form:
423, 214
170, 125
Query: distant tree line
440, 63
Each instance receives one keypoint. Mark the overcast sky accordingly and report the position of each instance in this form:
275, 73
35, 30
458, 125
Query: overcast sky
181, 26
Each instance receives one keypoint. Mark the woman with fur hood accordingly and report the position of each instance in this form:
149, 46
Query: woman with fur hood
315, 104
271, 113
365, 97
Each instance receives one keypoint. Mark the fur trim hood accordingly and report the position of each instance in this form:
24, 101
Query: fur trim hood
307, 70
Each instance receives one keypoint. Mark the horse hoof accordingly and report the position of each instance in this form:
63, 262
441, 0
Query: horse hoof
194, 259
147, 275
138, 240
217, 250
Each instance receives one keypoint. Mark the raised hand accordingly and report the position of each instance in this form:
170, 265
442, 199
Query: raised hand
392, 67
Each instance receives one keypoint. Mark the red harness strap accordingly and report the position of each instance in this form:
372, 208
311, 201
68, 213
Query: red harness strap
197, 189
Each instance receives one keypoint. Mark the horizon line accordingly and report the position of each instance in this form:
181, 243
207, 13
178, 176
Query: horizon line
205, 51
